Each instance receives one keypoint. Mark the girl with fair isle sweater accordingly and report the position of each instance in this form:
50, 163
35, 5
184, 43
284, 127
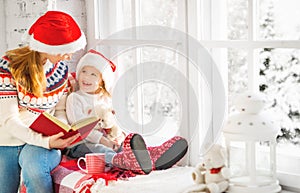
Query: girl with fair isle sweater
92, 94
33, 79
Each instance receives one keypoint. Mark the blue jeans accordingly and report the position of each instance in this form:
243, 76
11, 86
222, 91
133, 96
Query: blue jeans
36, 164
81, 149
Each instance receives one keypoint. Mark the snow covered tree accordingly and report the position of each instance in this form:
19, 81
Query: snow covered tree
279, 80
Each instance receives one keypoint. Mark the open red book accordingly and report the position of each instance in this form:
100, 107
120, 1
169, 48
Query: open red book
49, 125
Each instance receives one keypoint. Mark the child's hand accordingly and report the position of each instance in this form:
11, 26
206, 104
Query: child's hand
116, 146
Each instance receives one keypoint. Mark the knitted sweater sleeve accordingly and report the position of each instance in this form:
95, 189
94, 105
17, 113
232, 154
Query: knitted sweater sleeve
60, 108
19, 109
13, 129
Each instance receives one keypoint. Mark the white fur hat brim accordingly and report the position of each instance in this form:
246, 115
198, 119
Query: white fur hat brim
91, 59
58, 49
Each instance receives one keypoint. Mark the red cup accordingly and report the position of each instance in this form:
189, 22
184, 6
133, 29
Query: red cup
94, 162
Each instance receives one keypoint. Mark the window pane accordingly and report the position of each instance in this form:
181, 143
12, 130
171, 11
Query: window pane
144, 97
160, 12
279, 80
237, 19
279, 19
112, 16
237, 74
237, 160
116, 15
158, 92
288, 153
262, 154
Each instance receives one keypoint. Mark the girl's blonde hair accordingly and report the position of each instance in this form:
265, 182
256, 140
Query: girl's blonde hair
27, 69
102, 89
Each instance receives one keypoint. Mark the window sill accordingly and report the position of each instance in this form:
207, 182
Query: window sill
288, 168
286, 191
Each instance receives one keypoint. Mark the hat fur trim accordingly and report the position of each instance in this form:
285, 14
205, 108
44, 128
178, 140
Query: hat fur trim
72, 47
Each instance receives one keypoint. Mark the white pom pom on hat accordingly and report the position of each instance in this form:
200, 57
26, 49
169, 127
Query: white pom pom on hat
95, 59
55, 32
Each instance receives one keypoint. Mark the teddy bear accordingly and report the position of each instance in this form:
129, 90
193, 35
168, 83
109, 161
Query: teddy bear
108, 124
211, 176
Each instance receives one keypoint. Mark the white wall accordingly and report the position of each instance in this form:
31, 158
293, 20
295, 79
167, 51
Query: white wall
19, 14
77, 9
2, 28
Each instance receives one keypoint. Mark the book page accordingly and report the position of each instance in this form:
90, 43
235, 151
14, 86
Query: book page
58, 122
83, 122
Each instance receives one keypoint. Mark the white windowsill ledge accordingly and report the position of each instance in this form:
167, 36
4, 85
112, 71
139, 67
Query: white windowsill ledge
288, 168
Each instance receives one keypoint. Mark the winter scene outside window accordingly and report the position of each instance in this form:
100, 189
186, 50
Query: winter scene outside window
278, 72
262, 57
279, 68
151, 13
144, 97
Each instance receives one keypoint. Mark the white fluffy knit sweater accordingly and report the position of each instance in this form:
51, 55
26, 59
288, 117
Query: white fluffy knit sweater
81, 105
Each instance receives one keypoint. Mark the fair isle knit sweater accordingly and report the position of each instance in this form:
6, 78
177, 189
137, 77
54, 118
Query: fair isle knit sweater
19, 109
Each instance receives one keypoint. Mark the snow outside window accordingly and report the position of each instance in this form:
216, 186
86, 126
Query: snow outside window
112, 16
255, 44
267, 60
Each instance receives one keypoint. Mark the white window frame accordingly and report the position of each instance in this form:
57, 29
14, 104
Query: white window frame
94, 39
205, 33
192, 158
288, 181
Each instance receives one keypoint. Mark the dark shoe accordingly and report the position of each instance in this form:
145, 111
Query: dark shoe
169, 153
135, 156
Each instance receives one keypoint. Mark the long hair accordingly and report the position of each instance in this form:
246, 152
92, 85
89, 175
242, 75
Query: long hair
27, 69
102, 89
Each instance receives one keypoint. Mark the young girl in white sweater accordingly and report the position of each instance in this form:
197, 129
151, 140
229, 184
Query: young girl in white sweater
91, 94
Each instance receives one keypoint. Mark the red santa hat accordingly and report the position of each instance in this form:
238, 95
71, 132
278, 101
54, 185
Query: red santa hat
55, 33
95, 59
